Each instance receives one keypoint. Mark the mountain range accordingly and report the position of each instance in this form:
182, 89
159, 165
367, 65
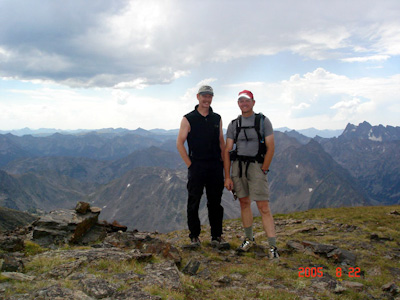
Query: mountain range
371, 154
42, 132
138, 178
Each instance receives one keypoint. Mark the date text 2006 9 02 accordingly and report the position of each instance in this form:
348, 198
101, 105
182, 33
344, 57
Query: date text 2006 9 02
319, 272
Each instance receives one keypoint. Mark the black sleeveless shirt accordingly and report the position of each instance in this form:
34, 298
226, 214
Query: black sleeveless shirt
203, 138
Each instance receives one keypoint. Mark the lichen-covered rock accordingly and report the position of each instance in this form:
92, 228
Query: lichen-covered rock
11, 243
62, 227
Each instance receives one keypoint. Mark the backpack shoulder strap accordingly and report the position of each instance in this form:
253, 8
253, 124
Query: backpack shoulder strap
238, 127
259, 126
262, 147
262, 118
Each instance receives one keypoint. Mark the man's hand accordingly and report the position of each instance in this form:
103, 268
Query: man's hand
228, 184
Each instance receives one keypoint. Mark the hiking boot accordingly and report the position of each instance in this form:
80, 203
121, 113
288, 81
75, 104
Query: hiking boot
220, 243
246, 245
273, 253
195, 242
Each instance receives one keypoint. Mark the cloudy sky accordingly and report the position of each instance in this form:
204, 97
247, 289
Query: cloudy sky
99, 64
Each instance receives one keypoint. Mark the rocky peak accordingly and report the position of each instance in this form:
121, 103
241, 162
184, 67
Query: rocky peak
366, 131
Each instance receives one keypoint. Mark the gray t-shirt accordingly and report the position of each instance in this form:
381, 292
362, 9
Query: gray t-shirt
249, 146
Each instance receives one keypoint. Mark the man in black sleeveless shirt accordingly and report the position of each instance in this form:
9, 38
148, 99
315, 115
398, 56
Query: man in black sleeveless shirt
202, 129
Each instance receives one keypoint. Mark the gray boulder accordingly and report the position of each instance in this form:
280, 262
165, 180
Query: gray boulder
64, 226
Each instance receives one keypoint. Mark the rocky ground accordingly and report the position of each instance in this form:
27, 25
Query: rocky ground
342, 253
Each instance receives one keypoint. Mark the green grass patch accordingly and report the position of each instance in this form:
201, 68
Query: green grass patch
105, 268
41, 264
31, 248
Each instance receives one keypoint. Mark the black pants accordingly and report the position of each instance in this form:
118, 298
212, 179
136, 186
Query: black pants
208, 174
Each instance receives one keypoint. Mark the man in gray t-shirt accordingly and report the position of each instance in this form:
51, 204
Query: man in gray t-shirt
249, 169
247, 144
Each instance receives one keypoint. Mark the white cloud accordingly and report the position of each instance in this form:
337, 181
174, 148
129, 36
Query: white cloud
319, 99
121, 97
297, 57
322, 99
106, 44
387, 37
345, 109
139, 83
366, 58
351, 104
316, 43
301, 106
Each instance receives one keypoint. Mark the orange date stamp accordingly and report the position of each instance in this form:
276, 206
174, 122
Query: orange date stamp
319, 272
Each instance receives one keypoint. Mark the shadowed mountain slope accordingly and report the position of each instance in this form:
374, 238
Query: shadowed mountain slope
305, 177
11, 219
372, 156
153, 198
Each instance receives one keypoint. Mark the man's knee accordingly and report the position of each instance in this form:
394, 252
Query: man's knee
214, 195
245, 202
193, 202
263, 207
214, 203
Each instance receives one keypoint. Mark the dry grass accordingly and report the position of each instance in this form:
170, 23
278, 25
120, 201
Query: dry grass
261, 276
224, 275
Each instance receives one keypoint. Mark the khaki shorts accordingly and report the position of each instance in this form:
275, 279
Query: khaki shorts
254, 185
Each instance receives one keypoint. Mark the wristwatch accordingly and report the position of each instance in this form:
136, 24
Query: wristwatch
265, 171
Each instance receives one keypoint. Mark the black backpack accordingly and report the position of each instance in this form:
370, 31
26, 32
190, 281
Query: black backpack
259, 127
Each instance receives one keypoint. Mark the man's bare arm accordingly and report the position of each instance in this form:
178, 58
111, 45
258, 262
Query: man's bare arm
270, 143
227, 164
180, 141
